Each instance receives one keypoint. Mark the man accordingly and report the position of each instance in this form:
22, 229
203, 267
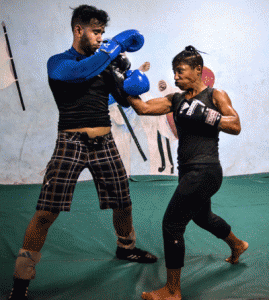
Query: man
81, 80
200, 112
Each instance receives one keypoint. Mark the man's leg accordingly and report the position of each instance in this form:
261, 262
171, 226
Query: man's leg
37, 230
112, 186
123, 224
61, 176
30, 255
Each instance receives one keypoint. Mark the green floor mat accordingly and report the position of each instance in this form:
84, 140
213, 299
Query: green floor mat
78, 258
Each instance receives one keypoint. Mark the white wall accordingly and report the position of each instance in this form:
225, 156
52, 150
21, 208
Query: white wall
234, 33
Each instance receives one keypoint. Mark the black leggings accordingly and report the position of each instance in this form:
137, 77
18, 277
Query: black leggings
191, 201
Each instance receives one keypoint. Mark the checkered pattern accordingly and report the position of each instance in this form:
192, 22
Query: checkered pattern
73, 153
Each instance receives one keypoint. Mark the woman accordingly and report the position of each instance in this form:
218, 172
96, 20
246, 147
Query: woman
200, 113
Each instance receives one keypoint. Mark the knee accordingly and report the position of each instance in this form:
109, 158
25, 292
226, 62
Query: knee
205, 221
173, 228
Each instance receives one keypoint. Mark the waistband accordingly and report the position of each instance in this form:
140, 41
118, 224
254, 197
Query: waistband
83, 136
186, 167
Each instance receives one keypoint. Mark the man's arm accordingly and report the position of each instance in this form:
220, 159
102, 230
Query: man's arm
153, 107
61, 67
64, 68
229, 122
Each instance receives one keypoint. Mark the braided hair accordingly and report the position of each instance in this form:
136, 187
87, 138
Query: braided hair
190, 56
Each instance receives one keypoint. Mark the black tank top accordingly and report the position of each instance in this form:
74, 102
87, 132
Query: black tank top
198, 143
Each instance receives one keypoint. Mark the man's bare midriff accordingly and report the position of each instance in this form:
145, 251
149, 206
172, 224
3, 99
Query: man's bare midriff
92, 131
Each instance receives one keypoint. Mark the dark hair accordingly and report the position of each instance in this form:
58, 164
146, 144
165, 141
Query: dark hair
189, 56
84, 13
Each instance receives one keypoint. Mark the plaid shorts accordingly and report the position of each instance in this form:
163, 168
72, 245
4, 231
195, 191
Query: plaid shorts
73, 153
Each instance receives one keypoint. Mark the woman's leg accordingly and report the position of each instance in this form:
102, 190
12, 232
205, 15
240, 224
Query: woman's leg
211, 222
170, 291
237, 246
192, 192
190, 201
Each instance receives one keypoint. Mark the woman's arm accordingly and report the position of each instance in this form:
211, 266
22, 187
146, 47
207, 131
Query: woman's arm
153, 107
230, 122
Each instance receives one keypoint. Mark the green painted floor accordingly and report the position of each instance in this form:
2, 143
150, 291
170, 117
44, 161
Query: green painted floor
78, 258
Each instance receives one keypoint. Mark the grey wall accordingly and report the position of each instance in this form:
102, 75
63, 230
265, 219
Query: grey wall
234, 33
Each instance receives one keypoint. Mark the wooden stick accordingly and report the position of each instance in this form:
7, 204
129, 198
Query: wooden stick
13, 66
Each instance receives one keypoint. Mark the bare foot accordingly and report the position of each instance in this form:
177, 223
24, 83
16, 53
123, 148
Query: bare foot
236, 252
145, 67
162, 294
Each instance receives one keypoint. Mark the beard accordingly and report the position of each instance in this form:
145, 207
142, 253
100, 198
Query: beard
86, 46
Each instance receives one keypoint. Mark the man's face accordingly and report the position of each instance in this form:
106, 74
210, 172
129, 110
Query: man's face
185, 76
91, 37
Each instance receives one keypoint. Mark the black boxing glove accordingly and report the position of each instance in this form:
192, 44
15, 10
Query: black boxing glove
118, 68
122, 63
198, 111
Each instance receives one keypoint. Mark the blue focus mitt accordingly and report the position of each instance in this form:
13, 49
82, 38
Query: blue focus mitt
136, 83
129, 40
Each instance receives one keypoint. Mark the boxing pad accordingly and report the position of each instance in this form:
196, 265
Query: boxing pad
118, 69
136, 83
129, 40
122, 63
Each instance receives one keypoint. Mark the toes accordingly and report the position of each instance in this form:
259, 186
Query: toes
232, 261
147, 296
